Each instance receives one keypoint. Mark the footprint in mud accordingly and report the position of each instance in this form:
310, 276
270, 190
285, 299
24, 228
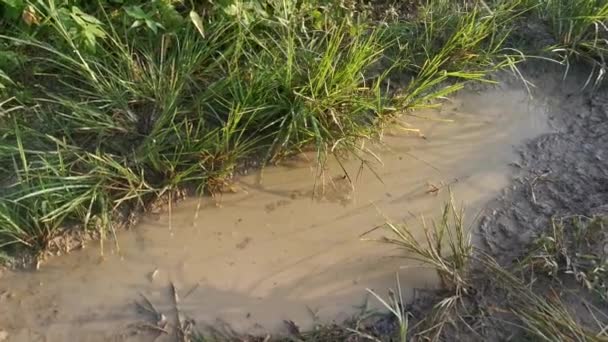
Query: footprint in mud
273, 206
243, 244
337, 190
296, 194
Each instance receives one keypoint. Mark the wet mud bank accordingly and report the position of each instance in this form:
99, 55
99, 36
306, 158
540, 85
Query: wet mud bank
560, 173
275, 251
548, 227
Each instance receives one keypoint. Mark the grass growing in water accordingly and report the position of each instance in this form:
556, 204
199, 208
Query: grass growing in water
105, 116
447, 248
540, 313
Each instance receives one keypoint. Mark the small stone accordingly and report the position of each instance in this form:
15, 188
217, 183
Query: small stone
3, 336
153, 274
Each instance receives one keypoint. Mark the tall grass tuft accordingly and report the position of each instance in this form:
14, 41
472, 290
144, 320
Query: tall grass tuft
581, 30
450, 44
396, 306
446, 247
108, 114
543, 317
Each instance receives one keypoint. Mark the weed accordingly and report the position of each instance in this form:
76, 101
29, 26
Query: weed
116, 105
543, 317
396, 306
574, 246
580, 28
447, 247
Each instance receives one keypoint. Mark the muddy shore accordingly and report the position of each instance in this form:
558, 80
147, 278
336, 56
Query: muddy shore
561, 178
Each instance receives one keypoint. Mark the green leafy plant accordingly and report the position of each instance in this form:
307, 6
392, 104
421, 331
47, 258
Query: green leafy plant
84, 28
245, 12
142, 17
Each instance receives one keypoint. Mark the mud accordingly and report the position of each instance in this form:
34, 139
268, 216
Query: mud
561, 173
274, 250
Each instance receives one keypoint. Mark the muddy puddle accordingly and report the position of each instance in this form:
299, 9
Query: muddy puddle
270, 252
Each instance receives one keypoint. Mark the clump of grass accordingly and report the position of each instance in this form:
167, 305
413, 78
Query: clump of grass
581, 30
574, 247
83, 154
122, 115
396, 306
452, 43
322, 96
543, 317
56, 189
446, 247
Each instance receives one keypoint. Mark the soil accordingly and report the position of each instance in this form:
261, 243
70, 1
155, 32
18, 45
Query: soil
281, 249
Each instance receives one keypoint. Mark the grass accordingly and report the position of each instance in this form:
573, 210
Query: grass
396, 306
104, 117
543, 317
446, 247
453, 44
581, 31
571, 248
537, 311
107, 109
525, 297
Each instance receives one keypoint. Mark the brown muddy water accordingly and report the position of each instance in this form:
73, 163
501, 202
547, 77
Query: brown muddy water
271, 252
